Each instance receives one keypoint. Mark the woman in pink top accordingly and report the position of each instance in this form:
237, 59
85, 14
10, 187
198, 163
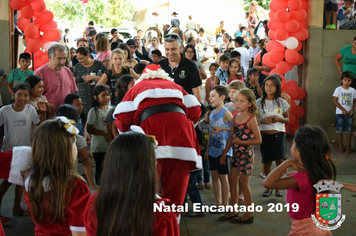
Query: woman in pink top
103, 53
259, 65
310, 152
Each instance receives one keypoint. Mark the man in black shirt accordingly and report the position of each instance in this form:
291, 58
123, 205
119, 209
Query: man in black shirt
182, 70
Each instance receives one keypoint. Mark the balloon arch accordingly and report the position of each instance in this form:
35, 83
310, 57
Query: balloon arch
38, 26
287, 26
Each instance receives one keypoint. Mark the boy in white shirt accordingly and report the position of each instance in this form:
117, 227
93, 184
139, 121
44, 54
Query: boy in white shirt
345, 102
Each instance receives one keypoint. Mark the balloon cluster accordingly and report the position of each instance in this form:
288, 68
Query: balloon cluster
287, 26
38, 26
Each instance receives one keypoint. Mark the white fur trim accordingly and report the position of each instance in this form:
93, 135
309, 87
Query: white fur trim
181, 153
21, 160
190, 101
128, 106
152, 74
77, 229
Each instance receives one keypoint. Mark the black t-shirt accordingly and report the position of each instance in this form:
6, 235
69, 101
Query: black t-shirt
185, 74
112, 79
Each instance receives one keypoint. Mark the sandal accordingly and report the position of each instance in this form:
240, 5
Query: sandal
208, 185
227, 216
5, 220
241, 199
340, 150
200, 185
348, 151
239, 220
194, 214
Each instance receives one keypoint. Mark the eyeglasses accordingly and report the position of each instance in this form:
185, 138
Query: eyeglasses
174, 36
188, 51
81, 59
59, 79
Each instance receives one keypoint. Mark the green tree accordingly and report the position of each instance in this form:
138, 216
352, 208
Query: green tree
119, 11
262, 3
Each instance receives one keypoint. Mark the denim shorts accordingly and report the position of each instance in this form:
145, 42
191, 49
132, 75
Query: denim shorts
344, 124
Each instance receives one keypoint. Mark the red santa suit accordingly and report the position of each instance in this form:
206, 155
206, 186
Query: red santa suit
178, 149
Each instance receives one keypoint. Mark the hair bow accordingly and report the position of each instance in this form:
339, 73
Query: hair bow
138, 129
68, 125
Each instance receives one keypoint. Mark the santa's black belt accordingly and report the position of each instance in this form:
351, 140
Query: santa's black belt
150, 111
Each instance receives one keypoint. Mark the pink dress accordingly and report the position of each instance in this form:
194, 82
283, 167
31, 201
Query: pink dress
103, 56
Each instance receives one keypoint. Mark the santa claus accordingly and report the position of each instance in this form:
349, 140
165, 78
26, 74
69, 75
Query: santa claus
164, 109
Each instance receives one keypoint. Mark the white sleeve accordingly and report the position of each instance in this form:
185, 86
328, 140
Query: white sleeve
35, 118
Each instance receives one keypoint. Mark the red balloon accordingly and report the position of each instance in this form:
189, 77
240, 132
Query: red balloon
300, 59
291, 56
292, 105
301, 34
34, 45
294, 4
274, 45
44, 58
282, 67
299, 112
37, 63
304, 4
303, 24
274, 71
27, 12
276, 56
298, 15
274, 24
282, 15
292, 119
45, 17
275, 5
51, 35
291, 91
22, 23
50, 25
271, 34
294, 128
37, 54
38, 5
292, 83
281, 34
290, 66
301, 93
31, 30
300, 45
271, 14
292, 25
267, 61
18, 4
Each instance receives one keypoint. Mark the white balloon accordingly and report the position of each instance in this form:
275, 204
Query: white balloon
292, 43
297, 102
282, 42
48, 45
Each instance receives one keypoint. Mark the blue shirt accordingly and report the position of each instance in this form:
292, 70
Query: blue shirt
222, 74
217, 142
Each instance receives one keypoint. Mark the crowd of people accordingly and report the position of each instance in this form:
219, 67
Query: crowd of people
144, 120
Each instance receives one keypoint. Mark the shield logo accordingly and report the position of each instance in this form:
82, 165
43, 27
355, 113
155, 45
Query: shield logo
182, 74
328, 208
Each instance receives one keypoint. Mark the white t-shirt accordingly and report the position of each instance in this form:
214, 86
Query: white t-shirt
345, 98
154, 22
18, 125
96, 118
245, 58
270, 108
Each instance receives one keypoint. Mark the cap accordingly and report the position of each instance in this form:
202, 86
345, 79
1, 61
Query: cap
155, 13
174, 13
131, 43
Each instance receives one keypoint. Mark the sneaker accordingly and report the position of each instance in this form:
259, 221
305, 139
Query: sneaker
200, 185
208, 185
333, 26
327, 26
262, 175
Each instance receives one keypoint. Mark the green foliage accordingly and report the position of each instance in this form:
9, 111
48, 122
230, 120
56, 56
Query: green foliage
106, 13
262, 3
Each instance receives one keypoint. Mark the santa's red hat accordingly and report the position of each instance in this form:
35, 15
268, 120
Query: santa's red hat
153, 71
13, 162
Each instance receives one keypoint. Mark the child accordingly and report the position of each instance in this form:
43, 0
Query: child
220, 117
237, 55
36, 90
330, 6
114, 34
154, 46
66, 36
123, 84
74, 100
253, 50
209, 83
216, 53
83, 163
118, 207
156, 56
139, 67
274, 114
97, 127
18, 119
234, 87
19, 75
244, 133
233, 72
204, 129
221, 76
310, 152
345, 102
252, 82
345, 16
117, 69
55, 194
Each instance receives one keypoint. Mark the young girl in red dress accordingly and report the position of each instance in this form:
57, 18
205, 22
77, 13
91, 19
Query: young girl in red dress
124, 203
55, 194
